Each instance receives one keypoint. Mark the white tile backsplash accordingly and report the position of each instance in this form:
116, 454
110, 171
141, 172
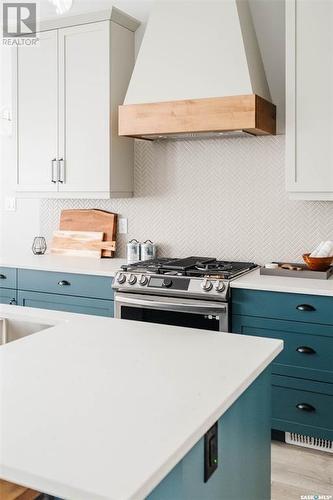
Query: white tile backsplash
217, 197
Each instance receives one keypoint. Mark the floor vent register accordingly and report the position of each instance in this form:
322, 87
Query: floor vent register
309, 442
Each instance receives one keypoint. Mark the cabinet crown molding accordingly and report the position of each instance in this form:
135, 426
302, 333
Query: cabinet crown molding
112, 14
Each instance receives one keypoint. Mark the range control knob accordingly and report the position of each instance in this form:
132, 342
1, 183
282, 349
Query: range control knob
220, 286
206, 285
143, 280
121, 278
131, 279
167, 282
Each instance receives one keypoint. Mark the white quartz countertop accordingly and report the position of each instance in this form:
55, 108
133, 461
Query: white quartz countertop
77, 265
255, 281
101, 408
109, 267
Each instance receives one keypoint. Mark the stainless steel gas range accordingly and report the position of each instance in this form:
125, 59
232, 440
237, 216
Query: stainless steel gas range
191, 292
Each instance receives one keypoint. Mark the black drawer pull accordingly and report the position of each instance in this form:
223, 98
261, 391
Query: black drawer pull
305, 307
303, 349
64, 283
305, 407
3, 277
13, 302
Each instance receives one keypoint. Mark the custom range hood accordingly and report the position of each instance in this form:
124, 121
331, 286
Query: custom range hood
199, 72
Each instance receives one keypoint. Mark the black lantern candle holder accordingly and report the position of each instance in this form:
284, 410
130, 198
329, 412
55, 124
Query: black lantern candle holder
39, 245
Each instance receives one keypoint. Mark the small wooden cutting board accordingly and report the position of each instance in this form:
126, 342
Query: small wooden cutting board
90, 220
80, 243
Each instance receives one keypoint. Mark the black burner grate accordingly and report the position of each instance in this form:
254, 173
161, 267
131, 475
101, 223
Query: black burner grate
191, 266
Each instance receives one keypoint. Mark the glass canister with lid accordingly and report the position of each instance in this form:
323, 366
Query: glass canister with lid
148, 250
133, 251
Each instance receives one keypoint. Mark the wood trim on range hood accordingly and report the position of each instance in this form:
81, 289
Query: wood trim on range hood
208, 116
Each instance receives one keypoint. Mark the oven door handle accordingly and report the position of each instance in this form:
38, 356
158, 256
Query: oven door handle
200, 308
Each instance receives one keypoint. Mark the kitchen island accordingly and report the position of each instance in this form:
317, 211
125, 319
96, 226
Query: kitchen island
98, 408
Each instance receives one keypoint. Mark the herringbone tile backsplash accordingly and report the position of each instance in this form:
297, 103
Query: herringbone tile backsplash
220, 197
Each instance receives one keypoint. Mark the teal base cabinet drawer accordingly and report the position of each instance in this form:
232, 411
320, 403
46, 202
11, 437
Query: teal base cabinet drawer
308, 348
278, 305
81, 285
300, 411
82, 305
8, 296
8, 277
302, 374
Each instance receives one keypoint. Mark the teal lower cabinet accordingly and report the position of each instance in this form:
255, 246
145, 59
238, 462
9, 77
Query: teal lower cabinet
78, 293
308, 348
77, 285
8, 296
299, 407
8, 285
68, 303
243, 470
8, 277
302, 380
289, 306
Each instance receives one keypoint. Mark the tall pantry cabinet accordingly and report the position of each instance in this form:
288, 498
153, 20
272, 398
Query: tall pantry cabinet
67, 92
309, 99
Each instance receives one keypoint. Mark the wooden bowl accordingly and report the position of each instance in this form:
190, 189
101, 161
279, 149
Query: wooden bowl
317, 263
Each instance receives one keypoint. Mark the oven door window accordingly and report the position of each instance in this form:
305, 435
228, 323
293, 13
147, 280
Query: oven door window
175, 318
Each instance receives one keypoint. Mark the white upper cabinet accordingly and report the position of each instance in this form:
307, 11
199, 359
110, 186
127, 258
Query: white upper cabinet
35, 71
84, 140
309, 87
67, 94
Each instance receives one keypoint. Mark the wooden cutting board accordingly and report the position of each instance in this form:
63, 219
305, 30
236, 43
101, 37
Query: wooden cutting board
91, 220
80, 243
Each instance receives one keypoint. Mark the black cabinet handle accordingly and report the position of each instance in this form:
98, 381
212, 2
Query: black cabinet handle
303, 349
305, 307
3, 277
12, 302
64, 283
305, 407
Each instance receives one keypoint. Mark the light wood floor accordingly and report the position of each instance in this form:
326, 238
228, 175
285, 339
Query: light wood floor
298, 471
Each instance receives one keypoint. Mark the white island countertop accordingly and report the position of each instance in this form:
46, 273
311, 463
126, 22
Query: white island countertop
100, 408
255, 281
77, 265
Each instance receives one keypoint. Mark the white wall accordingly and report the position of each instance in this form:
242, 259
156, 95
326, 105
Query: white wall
223, 198
137, 8
18, 228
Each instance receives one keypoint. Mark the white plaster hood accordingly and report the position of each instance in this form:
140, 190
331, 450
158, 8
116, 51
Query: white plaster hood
194, 50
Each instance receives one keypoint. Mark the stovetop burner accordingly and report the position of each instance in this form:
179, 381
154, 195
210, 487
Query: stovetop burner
217, 265
191, 266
